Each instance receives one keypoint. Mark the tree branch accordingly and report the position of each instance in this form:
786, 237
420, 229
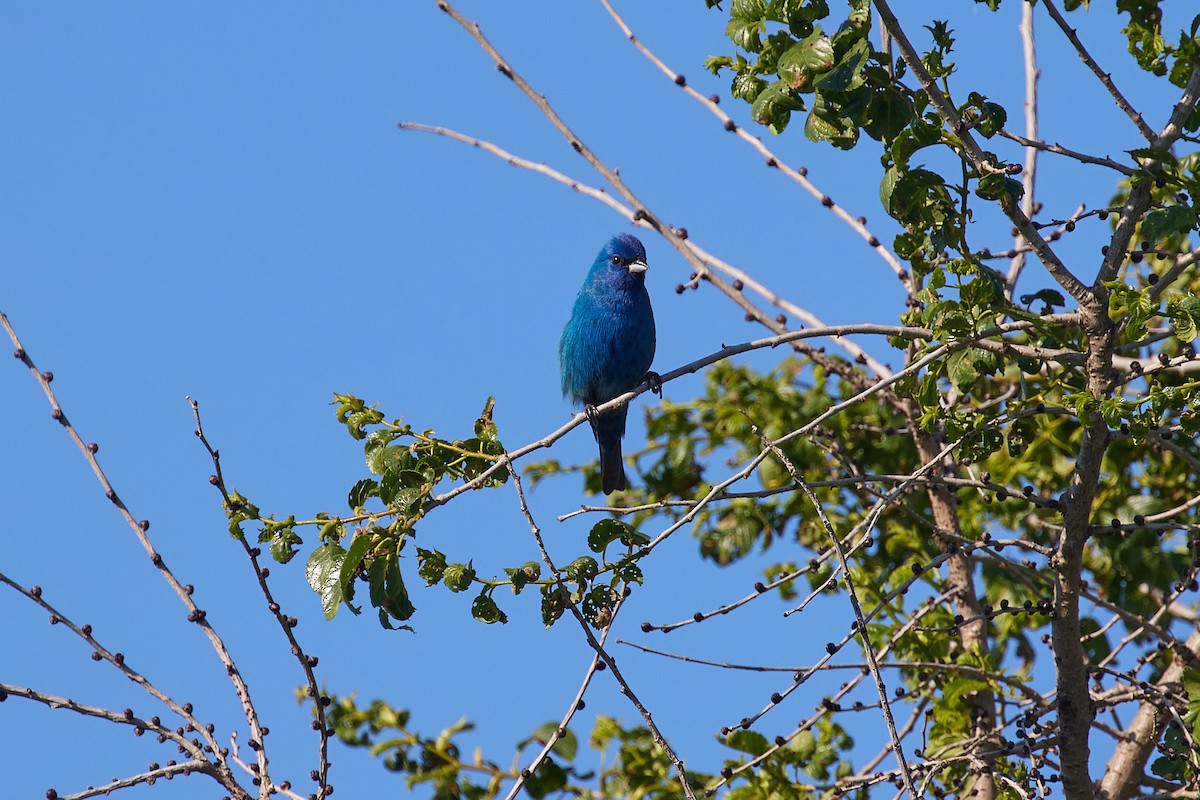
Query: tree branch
195, 613
800, 176
286, 624
1104, 77
1031, 134
860, 622
734, 274
597, 646
971, 149
1058, 149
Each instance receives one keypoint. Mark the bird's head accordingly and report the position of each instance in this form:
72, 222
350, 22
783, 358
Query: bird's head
623, 252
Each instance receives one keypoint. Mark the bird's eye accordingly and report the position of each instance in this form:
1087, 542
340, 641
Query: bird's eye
616, 260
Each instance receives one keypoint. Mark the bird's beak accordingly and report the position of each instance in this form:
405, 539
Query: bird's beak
638, 266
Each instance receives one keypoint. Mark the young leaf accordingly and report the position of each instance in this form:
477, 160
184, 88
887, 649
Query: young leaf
323, 571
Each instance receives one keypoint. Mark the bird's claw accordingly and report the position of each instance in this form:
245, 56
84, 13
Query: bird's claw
591, 413
655, 381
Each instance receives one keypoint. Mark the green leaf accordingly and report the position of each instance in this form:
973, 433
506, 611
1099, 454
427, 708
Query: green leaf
284, 542
388, 592
751, 742
888, 185
458, 577
484, 609
605, 730
803, 61
352, 561
1191, 687
981, 291
747, 23
1000, 187
323, 571
433, 566
383, 460
485, 426
1051, 297
565, 746
627, 571
921, 133
607, 531
1134, 304
555, 601
968, 365
747, 86
888, 113
522, 575
1166, 223
582, 569
773, 107
361, 492
1184, 311
548, 778
715, 64
993, 119
848, 74
826, 123
597, 604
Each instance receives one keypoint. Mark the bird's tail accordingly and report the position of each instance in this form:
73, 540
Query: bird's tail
612, 467
609, 428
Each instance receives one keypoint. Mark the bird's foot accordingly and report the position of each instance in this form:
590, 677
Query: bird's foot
591, 413
655, 381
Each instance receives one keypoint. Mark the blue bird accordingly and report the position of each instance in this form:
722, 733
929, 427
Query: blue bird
608, 345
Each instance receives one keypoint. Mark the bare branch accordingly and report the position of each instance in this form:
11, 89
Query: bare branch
734, 274
1104, 77
676, 237
84, 632
286, 624
1127, 764
861, 625
1187, 103
572, 707
148, 777
218, 772
1033, 143
195, 613
597, 645
800, 176
1031, 135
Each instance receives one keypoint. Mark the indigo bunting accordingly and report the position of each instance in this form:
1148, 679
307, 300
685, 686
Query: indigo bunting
608, 344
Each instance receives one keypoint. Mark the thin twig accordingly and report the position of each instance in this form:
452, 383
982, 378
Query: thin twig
695, 366
118, 660
800, 176
573, 707
218, 771
1033, 143
1186, 105
595, 644
733, 273
1028, 179
848, 687
1105, 78
676, 237
863, 633
979, 159
286, 624
149, 777
195, 613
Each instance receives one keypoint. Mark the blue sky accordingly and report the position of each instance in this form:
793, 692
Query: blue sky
215, 201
